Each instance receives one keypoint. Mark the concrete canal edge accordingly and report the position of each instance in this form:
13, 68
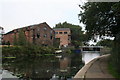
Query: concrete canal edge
82, 72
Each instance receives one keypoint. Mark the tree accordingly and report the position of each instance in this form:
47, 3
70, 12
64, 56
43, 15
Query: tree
105, 42
15, 42
8, 43
56, 42
21, 38
103, 19
77, 35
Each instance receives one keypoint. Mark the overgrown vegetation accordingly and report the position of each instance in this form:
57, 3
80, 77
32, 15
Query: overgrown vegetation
21, 39
112, 70
22, 48
106, 43
26, 51
103, 19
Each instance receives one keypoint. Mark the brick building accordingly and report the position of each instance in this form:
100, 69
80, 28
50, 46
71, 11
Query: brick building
40, 34
64, 34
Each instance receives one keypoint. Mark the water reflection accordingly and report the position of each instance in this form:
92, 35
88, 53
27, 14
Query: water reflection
87, 56
44, 66
64, 64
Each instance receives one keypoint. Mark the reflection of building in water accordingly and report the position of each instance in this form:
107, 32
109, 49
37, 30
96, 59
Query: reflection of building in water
64, 64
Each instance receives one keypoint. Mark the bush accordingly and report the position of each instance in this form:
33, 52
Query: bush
28, 51
115, 55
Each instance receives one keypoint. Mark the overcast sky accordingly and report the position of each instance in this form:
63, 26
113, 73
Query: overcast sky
20, 13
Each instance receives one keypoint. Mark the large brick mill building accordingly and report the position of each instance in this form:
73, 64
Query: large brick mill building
40, 34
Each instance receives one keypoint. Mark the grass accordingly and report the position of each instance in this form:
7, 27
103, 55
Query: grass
48, 54
9, 57
112, 71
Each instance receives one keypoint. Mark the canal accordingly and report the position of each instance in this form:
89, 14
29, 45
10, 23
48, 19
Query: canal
58, 66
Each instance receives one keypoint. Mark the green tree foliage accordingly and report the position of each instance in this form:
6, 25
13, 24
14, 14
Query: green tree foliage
77, 35
103, 19
105, 42
21, 38
8, 43
56, 42
15, 42
26, 51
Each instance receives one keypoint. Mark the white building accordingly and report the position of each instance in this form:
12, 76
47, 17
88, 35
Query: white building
1, 34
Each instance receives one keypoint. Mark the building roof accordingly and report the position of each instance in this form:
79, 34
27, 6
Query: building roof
1, 27
30, 26
62, 29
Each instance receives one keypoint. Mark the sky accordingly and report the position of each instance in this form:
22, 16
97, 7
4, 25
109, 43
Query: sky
20, 13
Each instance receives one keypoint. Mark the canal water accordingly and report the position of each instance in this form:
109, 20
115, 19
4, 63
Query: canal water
50, 67
62, 67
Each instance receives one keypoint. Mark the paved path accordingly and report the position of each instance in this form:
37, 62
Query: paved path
97, 68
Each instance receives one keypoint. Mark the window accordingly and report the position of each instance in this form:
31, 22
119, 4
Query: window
45, 28
65, 32
44, 44
60, 32
45, 35
38, 29
38, 35
51, 32
51, 37
56, 32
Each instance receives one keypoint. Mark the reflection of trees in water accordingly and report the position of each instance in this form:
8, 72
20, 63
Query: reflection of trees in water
42, 67
72, 63
32, 67
76, 63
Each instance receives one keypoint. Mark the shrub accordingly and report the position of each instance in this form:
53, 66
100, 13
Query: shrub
28, 51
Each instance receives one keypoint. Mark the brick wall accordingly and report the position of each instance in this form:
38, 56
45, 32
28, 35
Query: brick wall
64, 35
40, 34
